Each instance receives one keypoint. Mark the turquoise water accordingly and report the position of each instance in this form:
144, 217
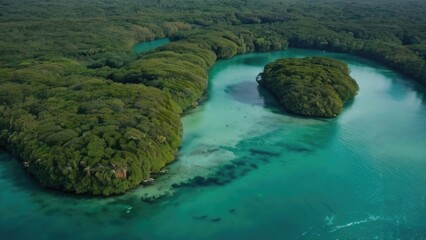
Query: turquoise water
151, 45
248, 170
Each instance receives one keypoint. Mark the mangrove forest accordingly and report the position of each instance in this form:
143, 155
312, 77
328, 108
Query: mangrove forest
312, 86
87, 115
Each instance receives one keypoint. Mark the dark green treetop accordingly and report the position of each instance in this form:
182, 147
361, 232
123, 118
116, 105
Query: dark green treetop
312, 86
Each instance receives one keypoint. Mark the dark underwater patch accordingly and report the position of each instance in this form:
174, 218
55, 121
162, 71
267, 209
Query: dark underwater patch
246, 92
154, 199
296, 148
205, 150
248, 159
262, 152
202, 217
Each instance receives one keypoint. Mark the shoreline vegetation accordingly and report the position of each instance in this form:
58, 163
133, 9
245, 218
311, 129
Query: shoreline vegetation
311, 86
86, 116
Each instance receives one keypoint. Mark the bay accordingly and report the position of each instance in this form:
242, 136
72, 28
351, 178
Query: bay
249, 170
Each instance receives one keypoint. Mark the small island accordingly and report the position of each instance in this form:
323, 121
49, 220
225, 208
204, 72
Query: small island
311, 86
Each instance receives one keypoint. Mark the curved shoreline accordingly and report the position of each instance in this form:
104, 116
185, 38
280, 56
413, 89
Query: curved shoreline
310, 86
179, 69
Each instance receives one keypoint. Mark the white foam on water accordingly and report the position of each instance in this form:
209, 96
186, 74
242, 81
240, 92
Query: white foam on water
369, 219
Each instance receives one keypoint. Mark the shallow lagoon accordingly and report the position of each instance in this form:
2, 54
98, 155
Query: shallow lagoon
248, 170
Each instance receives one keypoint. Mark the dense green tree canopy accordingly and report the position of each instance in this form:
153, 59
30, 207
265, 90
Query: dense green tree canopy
312, 86
87, 115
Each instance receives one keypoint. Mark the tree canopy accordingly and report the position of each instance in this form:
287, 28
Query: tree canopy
87, 115
312, 86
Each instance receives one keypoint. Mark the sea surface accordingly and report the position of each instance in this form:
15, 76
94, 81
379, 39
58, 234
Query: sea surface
249, 170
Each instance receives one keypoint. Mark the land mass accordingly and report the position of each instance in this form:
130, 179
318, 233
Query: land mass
86, 115
312, 86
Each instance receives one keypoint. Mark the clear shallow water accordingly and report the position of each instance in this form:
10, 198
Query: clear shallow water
250, 171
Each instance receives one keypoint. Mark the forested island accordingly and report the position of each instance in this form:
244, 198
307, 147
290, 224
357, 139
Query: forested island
86, 115
312, 86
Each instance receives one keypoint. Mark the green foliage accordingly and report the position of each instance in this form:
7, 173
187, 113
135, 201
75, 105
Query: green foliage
69, 127
180, 68
310, 86
91, 117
